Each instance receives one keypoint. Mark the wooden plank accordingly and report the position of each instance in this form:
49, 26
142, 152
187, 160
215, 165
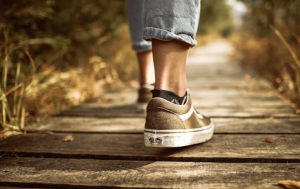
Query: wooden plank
129, 111
215, 103
136, 125
90, 124
82, 173
121, 108
207, 97
225, 82
205, 70
222, 148
218, 106
229, 93
257, 126
241, 102
216, 86
215, 70
248, 112
222, 75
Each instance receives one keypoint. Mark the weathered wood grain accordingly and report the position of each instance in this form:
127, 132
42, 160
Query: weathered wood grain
224, 82
206, 97
129, 111
248, 112
122, 104
89, 124
231, 148
143, 174
213, 70
238, 101
198, 92
219, 89
136, 125
215, 86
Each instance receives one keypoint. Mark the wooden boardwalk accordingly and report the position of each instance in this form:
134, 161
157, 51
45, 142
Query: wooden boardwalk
255, 145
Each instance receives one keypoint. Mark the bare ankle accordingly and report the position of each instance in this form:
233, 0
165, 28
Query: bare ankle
179, 89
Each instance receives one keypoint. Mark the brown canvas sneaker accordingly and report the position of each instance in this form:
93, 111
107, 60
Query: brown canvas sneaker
171, 125
144, 96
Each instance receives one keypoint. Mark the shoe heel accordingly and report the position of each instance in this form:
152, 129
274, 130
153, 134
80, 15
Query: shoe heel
155, 139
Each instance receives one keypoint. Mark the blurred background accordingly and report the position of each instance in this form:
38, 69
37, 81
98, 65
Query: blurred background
55, 54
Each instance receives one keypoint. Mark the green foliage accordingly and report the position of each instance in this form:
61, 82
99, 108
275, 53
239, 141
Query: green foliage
41, 39
77, 25
270, 43
215, 18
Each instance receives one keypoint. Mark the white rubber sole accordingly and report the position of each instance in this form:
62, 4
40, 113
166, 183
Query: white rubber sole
141, 107
177, 138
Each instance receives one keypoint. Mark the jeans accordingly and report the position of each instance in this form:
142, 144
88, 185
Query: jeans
164, 20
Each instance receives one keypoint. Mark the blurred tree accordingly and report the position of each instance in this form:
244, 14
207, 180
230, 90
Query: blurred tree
215, 17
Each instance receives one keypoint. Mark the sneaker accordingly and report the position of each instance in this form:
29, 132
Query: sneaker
144, 96
171, 125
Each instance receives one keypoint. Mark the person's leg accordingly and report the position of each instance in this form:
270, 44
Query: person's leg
135, 12
146, 67
172, 26
143, 49
170, 58
171, 120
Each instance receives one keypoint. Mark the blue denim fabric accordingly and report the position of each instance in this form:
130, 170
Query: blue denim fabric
172, 20
135, 15
162, 19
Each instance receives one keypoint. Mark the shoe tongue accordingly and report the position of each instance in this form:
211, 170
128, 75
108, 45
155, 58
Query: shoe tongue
169, 96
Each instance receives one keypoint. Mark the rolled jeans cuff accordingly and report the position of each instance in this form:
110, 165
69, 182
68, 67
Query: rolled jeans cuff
142, 46
164, 35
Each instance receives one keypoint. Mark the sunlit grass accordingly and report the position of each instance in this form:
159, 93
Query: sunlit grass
30, 98
278, 66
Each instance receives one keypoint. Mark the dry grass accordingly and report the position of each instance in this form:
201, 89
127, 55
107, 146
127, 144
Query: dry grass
50, 91
271, 59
